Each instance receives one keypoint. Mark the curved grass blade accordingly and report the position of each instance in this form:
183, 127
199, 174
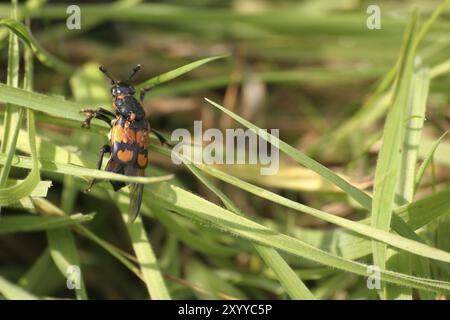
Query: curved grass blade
13, 194
364, 230
426, 161
43, 56
176, 72
386, 237
293, 285
361, 197
80, 172
202, 211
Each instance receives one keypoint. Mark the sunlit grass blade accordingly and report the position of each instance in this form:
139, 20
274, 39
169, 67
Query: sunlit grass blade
203, 211
441, 153
415, 117
13, 114
43, 56
360, 196
389, 163
14, 292
41, 189
13, 194
35, 223
109, 248
365, 230
191, 239
400, 242
353, 246
47, 208
70, 110
40, 102
176, 72
145, 255
64, 253
293, 285
426, 161
78, 171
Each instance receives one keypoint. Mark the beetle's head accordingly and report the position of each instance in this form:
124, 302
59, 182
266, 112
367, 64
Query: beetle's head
121, 88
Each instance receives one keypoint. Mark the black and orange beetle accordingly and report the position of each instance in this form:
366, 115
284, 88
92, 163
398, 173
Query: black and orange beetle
128, 137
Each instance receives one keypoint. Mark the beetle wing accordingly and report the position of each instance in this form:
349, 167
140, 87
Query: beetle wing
136, 190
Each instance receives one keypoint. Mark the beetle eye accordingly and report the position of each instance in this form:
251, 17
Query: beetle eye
114, 91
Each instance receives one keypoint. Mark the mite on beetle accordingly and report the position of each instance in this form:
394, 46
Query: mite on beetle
128, 137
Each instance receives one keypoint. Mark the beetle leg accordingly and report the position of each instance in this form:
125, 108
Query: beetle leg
99, 113
144, 91
105, 149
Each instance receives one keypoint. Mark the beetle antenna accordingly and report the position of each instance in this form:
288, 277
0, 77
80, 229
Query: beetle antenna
135, 70
103, 69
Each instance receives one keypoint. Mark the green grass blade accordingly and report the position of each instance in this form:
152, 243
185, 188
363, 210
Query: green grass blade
375, 106
13, 194
214, 287
400, 242
415, 117
40, 102
13, 114
293, 285
427, 161
43, 56
109, 248
440, 155
42, 278
176, 72
64, 253
414, 125
14, 292
202, 211
77, 171
303, 159
35, 223
364, 230
148, 263
389, 159
353, 246
192, 240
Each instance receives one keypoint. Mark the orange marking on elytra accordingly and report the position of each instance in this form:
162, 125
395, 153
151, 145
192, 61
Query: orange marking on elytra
142, 138
118, 134
125, 155
142, 160
129, 136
